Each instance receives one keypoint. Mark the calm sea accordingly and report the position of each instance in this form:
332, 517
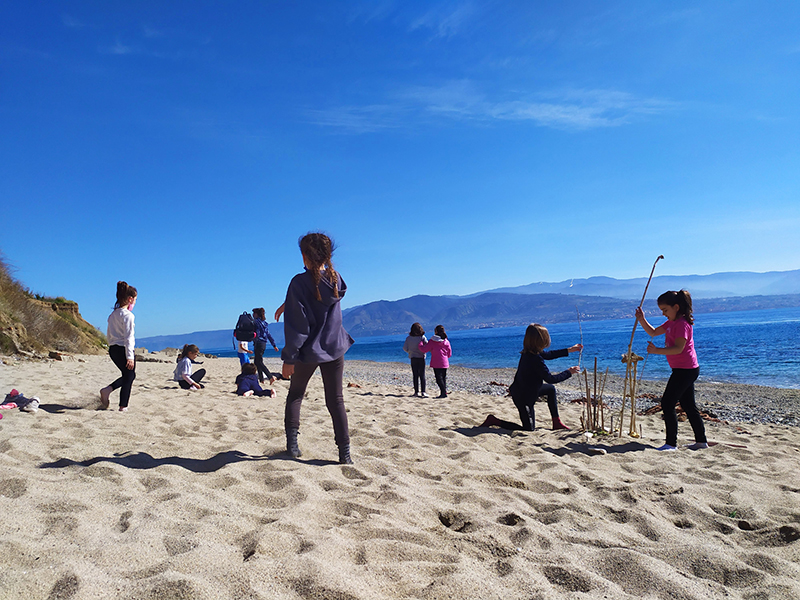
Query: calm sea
759, 347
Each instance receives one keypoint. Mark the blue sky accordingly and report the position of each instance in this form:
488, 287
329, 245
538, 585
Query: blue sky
448, 147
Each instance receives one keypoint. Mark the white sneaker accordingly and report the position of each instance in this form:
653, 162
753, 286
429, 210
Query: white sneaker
31, 406
667, 448
424, 395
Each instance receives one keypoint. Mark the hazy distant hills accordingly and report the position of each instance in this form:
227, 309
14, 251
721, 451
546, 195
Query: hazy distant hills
717, 285
596, 298
505, 310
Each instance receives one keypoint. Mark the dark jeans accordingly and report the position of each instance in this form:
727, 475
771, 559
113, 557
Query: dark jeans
441, 380
418, 371
125, 381
525, 406
197, 377
332, 381
263, 371
680, 388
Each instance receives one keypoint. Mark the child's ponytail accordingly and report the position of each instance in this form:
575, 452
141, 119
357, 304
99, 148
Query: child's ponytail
187, 348
318, 250
124, 292
684, 301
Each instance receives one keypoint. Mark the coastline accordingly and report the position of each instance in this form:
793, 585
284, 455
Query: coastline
191, 495
733, 402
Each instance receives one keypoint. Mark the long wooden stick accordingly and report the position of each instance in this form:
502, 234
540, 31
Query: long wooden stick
600, 400
594, 418
636, 321
580, 328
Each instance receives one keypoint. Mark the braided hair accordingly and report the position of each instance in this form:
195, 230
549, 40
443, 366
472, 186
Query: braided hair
684, 301
317, 248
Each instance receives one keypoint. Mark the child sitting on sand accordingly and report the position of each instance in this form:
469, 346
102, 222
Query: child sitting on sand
533, 379
679, 350
183, 372
247, 382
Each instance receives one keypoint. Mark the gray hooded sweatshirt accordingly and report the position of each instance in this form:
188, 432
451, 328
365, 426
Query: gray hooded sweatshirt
313, 328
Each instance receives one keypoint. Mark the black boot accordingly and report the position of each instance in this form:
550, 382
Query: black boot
291, 443
344, 455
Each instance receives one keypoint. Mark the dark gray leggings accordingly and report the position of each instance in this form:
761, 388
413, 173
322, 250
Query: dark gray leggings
332, 380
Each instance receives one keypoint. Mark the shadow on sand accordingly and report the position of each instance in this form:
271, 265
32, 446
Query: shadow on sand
142, 460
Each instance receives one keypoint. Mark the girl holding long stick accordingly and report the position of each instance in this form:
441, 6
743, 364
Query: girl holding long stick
679, 350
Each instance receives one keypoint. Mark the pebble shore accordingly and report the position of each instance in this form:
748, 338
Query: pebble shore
732, 402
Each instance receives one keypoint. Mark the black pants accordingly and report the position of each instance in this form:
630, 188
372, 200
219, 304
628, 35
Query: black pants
197, 377
125, 381
441, 380
680, 388
418, 371
258, 350
332, 381
525, 406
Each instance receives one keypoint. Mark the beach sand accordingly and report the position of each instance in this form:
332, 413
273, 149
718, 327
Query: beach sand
191, 495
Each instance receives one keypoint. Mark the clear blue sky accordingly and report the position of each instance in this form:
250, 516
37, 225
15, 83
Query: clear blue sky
448, 147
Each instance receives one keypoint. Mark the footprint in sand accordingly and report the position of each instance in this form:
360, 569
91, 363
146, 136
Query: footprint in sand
569, 581
13, 487
65, 588
124, 522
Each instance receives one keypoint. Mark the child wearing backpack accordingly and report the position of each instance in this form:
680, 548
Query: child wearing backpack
245, 332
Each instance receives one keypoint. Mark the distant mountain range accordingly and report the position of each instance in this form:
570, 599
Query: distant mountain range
596, 298
717, 285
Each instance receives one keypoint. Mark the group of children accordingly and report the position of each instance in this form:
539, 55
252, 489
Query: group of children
417, 346
533, 380
316, 338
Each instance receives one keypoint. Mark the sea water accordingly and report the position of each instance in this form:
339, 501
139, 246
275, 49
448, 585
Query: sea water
759, 347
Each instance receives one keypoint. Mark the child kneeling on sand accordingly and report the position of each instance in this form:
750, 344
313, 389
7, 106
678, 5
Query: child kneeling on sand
247, 383
533, 379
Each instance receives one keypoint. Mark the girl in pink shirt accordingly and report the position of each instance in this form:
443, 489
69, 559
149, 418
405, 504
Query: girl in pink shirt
679, 350
440, 350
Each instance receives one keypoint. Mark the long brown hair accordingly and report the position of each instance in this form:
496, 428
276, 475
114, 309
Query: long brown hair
684, 301
537, 338
124, 291
317, 248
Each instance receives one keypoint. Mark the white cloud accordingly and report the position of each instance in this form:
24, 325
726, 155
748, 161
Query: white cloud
72, 22
120, 48
446, 20
358, 119
150, 32
462, 100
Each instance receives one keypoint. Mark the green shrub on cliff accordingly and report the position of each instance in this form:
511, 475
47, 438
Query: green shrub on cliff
30, 322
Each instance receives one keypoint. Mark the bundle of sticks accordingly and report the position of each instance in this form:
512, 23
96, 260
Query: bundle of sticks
593, 414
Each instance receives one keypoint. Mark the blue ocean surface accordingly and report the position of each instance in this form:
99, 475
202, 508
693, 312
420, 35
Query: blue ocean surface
760, 347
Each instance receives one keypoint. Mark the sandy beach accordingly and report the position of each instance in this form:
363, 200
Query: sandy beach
190, 495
